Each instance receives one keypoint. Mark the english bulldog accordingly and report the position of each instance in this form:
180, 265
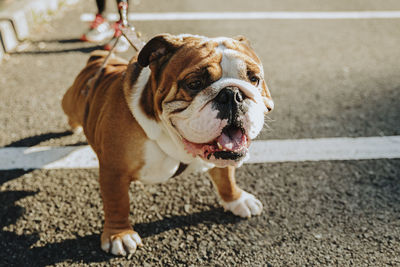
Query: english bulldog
184, 103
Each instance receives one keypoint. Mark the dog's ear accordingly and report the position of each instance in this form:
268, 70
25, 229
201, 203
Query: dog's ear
242, 39
158, 47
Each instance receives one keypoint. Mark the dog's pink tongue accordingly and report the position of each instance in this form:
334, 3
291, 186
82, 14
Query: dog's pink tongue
232, 140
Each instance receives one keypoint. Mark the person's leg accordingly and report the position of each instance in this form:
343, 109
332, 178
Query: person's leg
99, 29
101, 6
123, 44
123, 11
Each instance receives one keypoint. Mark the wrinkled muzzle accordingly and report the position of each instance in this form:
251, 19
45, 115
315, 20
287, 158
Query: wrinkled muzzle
228, 115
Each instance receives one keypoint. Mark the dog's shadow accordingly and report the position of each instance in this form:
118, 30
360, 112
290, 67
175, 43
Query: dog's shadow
61, 46
37, 139
87, 249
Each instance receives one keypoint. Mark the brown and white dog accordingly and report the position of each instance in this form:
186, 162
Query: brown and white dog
185, 103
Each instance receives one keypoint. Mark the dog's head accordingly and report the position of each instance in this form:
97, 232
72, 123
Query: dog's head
209, 93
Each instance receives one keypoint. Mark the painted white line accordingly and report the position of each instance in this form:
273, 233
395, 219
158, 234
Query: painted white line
249, 15
325, 149
73, 157
67, 157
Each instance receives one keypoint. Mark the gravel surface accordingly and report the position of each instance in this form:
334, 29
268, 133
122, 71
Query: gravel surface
341, 213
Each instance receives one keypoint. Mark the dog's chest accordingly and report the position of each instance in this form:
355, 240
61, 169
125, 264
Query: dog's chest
159, 166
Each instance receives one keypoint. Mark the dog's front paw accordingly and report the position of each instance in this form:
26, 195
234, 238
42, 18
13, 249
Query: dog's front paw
122, 243
245, 206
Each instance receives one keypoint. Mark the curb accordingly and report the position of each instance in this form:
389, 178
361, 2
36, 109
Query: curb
17, 19
7, 36
1, 53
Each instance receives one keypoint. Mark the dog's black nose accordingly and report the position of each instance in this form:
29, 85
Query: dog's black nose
229, 95
229, 103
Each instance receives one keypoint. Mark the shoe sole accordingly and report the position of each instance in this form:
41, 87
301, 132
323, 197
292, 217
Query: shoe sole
107, 36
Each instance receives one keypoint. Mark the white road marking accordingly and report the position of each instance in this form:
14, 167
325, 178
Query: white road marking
250, 15
67, 157
322, 149
343, 148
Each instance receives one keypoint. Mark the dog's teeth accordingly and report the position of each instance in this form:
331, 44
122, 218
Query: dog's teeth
219, 145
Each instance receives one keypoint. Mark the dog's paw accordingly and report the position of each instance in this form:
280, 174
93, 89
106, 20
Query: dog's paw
122, 243
245, 206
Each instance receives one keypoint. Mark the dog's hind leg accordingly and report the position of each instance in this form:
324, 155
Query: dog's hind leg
71, 109
75, 127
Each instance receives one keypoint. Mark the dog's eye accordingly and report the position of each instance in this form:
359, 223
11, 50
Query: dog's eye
254, 80
195, 85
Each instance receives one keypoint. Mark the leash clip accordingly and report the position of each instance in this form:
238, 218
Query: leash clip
131, 35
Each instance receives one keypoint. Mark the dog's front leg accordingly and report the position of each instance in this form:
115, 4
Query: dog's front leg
234, 199
118, 236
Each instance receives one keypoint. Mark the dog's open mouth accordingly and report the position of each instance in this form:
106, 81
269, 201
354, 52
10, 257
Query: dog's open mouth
232, 144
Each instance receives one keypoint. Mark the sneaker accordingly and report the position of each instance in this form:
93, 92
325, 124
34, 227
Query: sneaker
99, 31
99, 19
122, 45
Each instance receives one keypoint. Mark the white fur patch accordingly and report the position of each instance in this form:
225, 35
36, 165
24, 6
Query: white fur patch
185, 35
150, 127
245, 206
202, 127
121, 246
247, 89
158, 167
253, 120
172, 145
231, 64
198, 165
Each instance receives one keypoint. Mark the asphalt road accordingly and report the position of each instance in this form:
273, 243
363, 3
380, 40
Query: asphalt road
329, 78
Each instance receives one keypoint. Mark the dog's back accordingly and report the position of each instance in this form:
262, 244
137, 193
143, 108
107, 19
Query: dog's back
87, 89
